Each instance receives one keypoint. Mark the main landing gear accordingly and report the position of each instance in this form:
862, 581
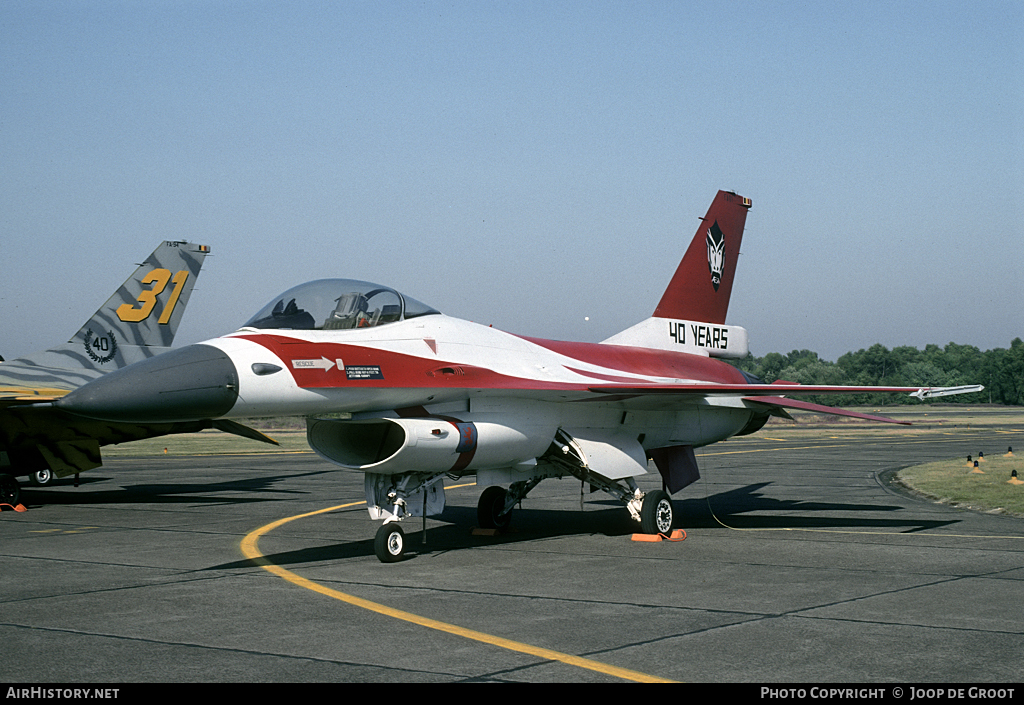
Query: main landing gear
395, 498
656, 513
10, 490
42, 478
653, 509
490, 510
494, 510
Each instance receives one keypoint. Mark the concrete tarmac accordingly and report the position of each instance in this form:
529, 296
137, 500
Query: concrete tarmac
799, 566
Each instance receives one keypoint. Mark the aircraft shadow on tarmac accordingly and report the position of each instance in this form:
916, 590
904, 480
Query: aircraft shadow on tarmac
733, 507
171, 492
452, 530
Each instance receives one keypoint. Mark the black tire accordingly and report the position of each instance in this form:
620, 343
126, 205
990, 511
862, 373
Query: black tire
10, 490
656, 513
389, 544
488, 509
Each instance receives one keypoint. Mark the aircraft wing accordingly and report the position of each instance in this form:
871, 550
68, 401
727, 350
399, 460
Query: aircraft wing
712, 389
16, 396
33, 437
767, 395
776, 403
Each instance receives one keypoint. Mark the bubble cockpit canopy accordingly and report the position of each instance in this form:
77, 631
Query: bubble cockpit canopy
337, 304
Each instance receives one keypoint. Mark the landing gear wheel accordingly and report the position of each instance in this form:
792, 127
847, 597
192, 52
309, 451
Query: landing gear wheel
389, 544
42, 477
656, 513
488, 509
10, 490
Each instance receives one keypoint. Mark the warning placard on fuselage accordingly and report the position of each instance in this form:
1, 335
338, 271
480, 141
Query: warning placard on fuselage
363, 372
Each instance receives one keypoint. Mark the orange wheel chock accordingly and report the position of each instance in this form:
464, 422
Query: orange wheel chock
676, 535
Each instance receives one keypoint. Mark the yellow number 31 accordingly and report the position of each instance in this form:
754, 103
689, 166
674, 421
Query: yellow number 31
147, 299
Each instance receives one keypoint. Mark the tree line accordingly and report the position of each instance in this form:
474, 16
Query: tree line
1001, 371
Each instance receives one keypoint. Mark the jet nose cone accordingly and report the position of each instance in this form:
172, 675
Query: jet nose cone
194, 382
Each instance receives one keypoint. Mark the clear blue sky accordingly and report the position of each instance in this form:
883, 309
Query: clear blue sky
521, 164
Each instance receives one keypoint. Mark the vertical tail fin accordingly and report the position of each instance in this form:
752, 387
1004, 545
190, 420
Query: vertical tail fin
691, 314
702, 284
137, 322
147, 309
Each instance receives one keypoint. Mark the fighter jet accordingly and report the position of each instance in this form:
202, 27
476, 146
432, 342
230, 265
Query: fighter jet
392, 388
136, 323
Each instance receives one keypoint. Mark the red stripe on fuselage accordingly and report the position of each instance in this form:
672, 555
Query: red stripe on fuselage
645, 361
398, 370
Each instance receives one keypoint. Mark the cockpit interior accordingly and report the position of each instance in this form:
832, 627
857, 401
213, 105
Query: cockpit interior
337, 304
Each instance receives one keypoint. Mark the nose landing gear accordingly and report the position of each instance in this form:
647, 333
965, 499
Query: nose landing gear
389, 543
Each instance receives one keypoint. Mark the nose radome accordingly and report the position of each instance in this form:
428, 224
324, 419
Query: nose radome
194, 382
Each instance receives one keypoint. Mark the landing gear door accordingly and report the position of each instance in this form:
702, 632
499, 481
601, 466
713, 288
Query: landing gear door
611, 455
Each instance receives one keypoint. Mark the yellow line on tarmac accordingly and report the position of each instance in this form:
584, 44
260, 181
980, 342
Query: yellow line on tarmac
847, 443
772, 450
251, 550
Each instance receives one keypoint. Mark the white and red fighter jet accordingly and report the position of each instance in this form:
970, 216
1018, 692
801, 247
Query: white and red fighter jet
393, 388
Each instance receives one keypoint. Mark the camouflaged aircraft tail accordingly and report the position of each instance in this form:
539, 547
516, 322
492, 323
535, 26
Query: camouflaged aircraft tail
137, 322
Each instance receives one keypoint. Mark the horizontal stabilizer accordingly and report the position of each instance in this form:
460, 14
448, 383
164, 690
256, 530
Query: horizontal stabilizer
784, 403
68, 458
706, 389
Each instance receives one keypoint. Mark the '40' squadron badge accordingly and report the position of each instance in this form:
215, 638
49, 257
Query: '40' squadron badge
101, 348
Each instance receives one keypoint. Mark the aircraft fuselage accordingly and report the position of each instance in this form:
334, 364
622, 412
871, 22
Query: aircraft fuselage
431, 366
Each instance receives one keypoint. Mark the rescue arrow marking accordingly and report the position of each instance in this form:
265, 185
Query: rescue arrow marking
323, 363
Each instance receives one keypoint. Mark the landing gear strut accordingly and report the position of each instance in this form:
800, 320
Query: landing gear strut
653, 510
494, 510
394, 498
